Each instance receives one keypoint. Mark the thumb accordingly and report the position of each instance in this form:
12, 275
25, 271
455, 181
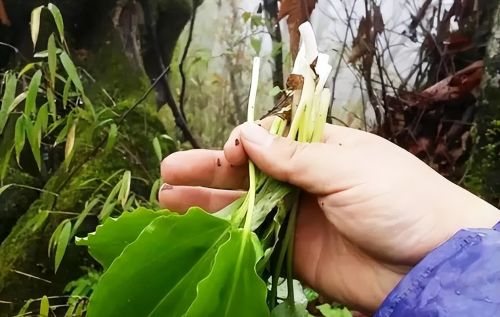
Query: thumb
300, 164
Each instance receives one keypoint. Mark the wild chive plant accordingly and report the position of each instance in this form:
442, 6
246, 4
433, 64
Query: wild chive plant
159, 263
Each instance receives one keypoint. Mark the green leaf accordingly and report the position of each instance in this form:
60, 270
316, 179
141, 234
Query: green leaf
153, 195
256, 44
19, 137
44, 307
246, 16
30, 104
110, 203
81, 217
42, 119
26, 69
286, 309
275, 91
55, 236
17, 101
112, 134
181, 247
25, 307
5, 187
62, 244
40, 219
34, 141
51, 100
35, 24
125, 188
110, 238
65, 96
157, 148
233, 281
52, 59
57, 19
8, 98
70, 68
70, 144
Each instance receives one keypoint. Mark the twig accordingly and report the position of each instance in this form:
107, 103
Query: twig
183, 59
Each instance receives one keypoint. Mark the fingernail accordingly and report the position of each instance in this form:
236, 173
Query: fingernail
256, 134
166, 186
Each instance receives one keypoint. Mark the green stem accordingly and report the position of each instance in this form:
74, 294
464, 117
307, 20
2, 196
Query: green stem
289, 254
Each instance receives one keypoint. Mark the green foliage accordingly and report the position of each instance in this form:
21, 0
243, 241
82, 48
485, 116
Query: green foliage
333, 311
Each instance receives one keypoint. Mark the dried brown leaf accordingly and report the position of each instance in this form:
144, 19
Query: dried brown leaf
298, 12
4, 18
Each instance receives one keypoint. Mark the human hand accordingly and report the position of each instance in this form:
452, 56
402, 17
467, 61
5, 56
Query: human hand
370, 210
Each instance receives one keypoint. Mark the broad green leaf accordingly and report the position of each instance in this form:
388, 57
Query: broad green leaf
35, 24
112, 134
9, 94
286, 309
157, 275
81, 217
125, 188
329, 311
62, 244
52, 59
70, 144
34, 141
5, 187
30, 104
233, 287
20, 137
70, 69
110, 238
57, 19
157, 148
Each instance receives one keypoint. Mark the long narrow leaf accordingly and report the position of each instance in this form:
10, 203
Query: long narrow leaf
57, 19
30, 104
70, 69
62, 244
20, 137
52, 59
125, 188
35, 24
34, 142
8, 98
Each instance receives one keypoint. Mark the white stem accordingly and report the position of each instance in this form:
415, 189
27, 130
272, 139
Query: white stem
253, 89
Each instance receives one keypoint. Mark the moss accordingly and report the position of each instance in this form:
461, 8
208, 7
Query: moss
15, 201
484, 175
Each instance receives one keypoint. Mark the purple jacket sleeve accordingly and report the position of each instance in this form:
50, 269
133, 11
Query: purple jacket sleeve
461, 278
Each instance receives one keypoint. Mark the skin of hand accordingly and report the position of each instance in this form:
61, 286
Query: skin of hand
370, 210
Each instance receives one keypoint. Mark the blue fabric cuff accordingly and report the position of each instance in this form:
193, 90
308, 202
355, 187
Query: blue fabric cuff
460, 278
